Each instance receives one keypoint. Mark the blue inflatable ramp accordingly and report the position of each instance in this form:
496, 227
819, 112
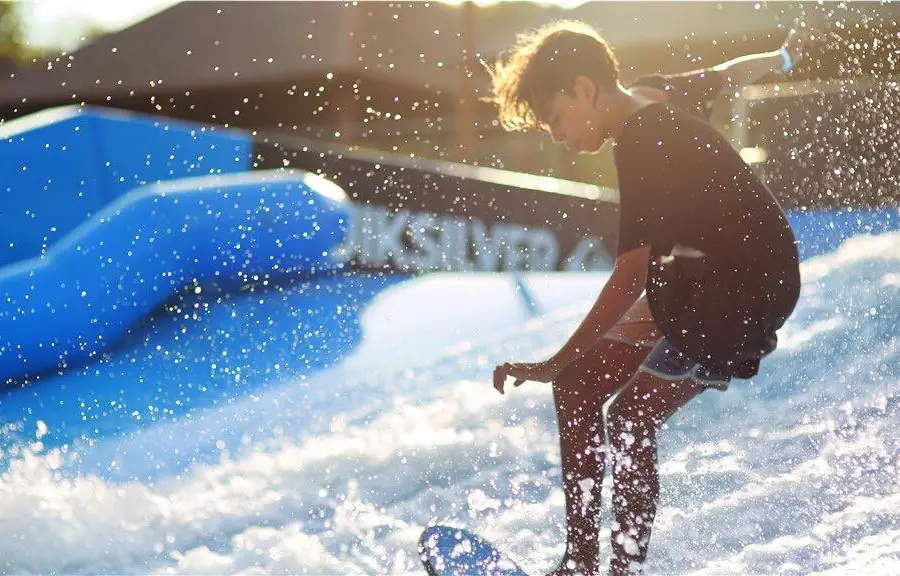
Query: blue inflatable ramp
88, 289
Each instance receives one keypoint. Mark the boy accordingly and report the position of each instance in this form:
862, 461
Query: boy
698, 230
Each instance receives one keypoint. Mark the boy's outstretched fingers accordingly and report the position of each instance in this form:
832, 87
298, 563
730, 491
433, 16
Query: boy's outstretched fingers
499, 378
518, 381
500, 374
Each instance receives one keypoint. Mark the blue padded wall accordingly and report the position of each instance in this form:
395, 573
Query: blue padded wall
62, 165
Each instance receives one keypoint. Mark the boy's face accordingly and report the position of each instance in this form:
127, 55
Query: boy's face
576, 118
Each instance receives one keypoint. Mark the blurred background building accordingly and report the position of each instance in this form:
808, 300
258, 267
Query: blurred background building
405, 76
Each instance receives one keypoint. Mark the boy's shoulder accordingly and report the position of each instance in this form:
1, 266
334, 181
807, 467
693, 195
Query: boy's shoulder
695, 91
652, 127
661, 114
660, 123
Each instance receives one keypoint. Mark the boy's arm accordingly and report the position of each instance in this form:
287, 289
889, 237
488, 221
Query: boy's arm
748, 69
698, 89
624, 287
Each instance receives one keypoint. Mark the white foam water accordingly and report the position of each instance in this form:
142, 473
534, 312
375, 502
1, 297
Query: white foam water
793, 472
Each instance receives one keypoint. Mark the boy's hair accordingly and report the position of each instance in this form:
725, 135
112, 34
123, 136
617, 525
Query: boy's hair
546, 61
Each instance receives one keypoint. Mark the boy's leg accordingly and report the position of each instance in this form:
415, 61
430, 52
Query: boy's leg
665, 382
579, 394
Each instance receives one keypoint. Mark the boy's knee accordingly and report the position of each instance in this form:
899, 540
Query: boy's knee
628, 427
622, 416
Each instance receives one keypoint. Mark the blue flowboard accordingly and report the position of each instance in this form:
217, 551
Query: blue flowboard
446, 550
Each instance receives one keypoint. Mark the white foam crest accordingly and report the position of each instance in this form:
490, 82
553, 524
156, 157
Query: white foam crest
790, 473
865, 247
293, 505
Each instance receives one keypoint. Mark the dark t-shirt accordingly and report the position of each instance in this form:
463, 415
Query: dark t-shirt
682, 183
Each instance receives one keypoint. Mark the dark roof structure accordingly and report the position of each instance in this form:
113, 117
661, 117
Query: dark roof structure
396, 75
416, 44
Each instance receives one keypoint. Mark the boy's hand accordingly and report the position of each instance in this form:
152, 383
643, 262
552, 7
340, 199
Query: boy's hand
533, 371
801, 39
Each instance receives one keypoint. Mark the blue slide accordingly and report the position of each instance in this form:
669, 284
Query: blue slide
88, 289
61, 166
187, 214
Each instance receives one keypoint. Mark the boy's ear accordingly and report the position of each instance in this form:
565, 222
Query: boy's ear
584, 86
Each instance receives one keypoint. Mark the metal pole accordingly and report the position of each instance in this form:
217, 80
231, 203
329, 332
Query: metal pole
465, 99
